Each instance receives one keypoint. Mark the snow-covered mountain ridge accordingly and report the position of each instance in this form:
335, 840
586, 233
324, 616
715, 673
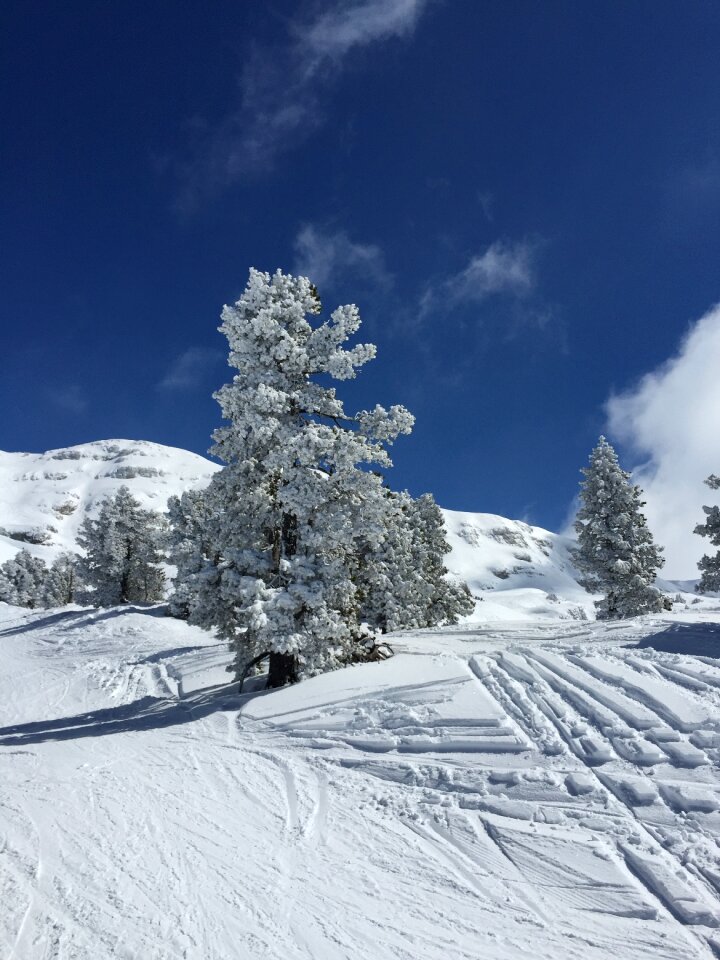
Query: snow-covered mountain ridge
514, 570
44, 497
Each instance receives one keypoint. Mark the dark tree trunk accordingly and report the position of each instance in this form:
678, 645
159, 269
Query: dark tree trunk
289, 534
283, 670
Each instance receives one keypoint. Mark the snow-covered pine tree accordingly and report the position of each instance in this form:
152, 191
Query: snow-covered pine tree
710, 566
402, 579
7, 591
63, 581
444, 599
382, 568
123, 552
616, 551
23, 579
296, 496
193, 528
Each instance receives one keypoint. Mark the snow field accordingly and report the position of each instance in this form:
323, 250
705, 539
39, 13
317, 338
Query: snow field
488, 792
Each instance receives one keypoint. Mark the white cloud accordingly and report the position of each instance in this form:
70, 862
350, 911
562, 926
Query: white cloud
326, 257
503, 268
190, 368
671, 421
282, 89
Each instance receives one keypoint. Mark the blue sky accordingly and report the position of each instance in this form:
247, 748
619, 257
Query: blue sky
523, 198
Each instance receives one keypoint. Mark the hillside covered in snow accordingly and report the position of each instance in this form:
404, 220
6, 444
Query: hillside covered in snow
44, 497
513, 569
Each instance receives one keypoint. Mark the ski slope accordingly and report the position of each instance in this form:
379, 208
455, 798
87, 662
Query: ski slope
540, 789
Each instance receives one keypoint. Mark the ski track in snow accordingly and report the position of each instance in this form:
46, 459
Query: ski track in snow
492, 791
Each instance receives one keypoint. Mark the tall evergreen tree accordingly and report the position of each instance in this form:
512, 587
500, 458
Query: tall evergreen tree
710, 566
123, 552
296, 497
616, 552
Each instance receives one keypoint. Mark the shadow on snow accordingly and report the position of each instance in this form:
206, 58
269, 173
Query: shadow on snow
696, 639
147, 713
75, 619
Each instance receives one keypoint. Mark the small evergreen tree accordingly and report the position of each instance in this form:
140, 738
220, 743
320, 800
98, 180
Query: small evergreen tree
123, 552
7, 591
23, 579
296, 497
63, 581
402, 579
616, 552
193, 528
710, 566
445, 599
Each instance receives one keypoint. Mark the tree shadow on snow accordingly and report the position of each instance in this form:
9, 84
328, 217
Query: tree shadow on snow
147, 713
95, 616
694, 639
179, 651
51, 620
75, 619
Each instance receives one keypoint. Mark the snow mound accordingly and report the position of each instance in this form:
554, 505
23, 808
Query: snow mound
44, 497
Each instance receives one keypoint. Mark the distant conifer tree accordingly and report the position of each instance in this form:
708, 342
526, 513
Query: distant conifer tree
710, 566
616, 551
123, 552
63, 581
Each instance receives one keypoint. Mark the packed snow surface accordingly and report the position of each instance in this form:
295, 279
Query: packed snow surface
545, 789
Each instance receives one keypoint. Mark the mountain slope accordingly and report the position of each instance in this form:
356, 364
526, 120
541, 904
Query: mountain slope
44, 497
514, 570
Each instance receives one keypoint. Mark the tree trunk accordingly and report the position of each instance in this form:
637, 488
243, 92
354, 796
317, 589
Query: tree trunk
283, 670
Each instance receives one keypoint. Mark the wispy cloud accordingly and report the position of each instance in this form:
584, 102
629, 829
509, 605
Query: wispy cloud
487, 203
69, 397
670, 421
189, 369
503, 268
327, 257
282, 90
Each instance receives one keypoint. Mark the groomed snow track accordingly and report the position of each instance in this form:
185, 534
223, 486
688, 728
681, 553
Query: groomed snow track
532, 790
